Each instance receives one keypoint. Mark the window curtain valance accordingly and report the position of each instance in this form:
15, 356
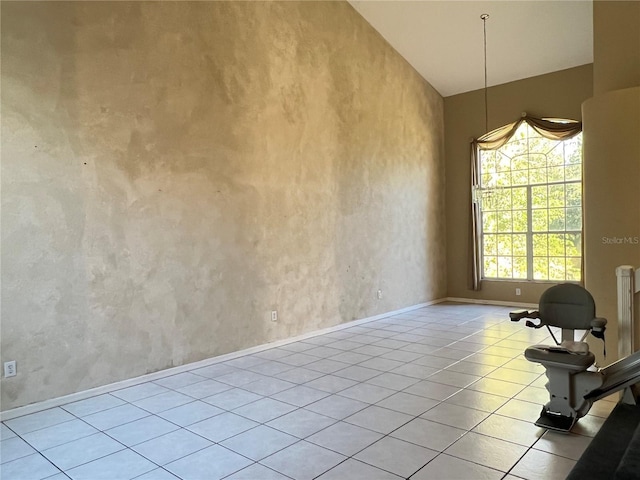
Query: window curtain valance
551, 129
548, 128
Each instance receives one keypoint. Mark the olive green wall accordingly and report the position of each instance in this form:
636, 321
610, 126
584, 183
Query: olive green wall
559, 94
173, 171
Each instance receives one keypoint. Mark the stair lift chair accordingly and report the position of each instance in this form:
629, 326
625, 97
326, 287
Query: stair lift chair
568, 363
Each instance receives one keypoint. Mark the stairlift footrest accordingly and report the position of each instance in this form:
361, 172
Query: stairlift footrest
559, 423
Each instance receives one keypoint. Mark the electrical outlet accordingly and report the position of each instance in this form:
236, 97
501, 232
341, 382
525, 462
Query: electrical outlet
10, 369
518, 292
274, 315
379, 294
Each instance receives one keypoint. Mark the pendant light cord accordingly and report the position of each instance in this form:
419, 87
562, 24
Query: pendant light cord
484, 17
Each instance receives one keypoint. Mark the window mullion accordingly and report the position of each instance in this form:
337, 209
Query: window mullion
529, 235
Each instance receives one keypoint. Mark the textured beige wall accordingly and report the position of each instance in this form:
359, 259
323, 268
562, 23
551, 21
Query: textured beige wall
616, 45
559, 94
612, 158
172, 172
611, 200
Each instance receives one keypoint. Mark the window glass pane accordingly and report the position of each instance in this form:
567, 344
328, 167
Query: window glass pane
573, 172
519, 198
488, 199
574, 269
504, 222
504, 245
574, 218
519, 220
540, 268
556, 219
556, 195
573, 244
541, 245
540, 221
489, 222
537, 162
520, 162
539, 197
503, 179
543, 146
488, 161
556, 174
555, 156
490, 245
521, 133
517, 147
520, 267
538, 175
503, 199
556, 245
557, 268
519, 244
573, 194
505, 267
573, 151
503, 163
491, 267
520, 177
488, 180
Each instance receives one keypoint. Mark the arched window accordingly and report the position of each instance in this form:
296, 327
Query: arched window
528, 202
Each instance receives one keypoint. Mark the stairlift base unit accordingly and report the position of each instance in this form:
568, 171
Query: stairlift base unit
574, 383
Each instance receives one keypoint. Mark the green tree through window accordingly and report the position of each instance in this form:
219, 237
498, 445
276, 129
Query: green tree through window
531, 203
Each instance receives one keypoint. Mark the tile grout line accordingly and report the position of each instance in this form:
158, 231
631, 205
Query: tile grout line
392, 333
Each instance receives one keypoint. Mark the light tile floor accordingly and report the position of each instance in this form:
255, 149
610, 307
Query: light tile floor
443, 392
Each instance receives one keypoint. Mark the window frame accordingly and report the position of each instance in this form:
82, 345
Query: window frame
529, 234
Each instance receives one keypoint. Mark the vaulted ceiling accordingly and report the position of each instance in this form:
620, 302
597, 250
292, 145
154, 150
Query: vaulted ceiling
443, 40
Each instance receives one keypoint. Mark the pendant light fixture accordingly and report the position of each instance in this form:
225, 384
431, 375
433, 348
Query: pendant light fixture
484, 18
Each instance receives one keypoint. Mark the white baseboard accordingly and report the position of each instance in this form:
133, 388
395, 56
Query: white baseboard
491, 302
74, 397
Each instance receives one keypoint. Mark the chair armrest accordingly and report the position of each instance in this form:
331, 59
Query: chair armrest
598, 323
518, 315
